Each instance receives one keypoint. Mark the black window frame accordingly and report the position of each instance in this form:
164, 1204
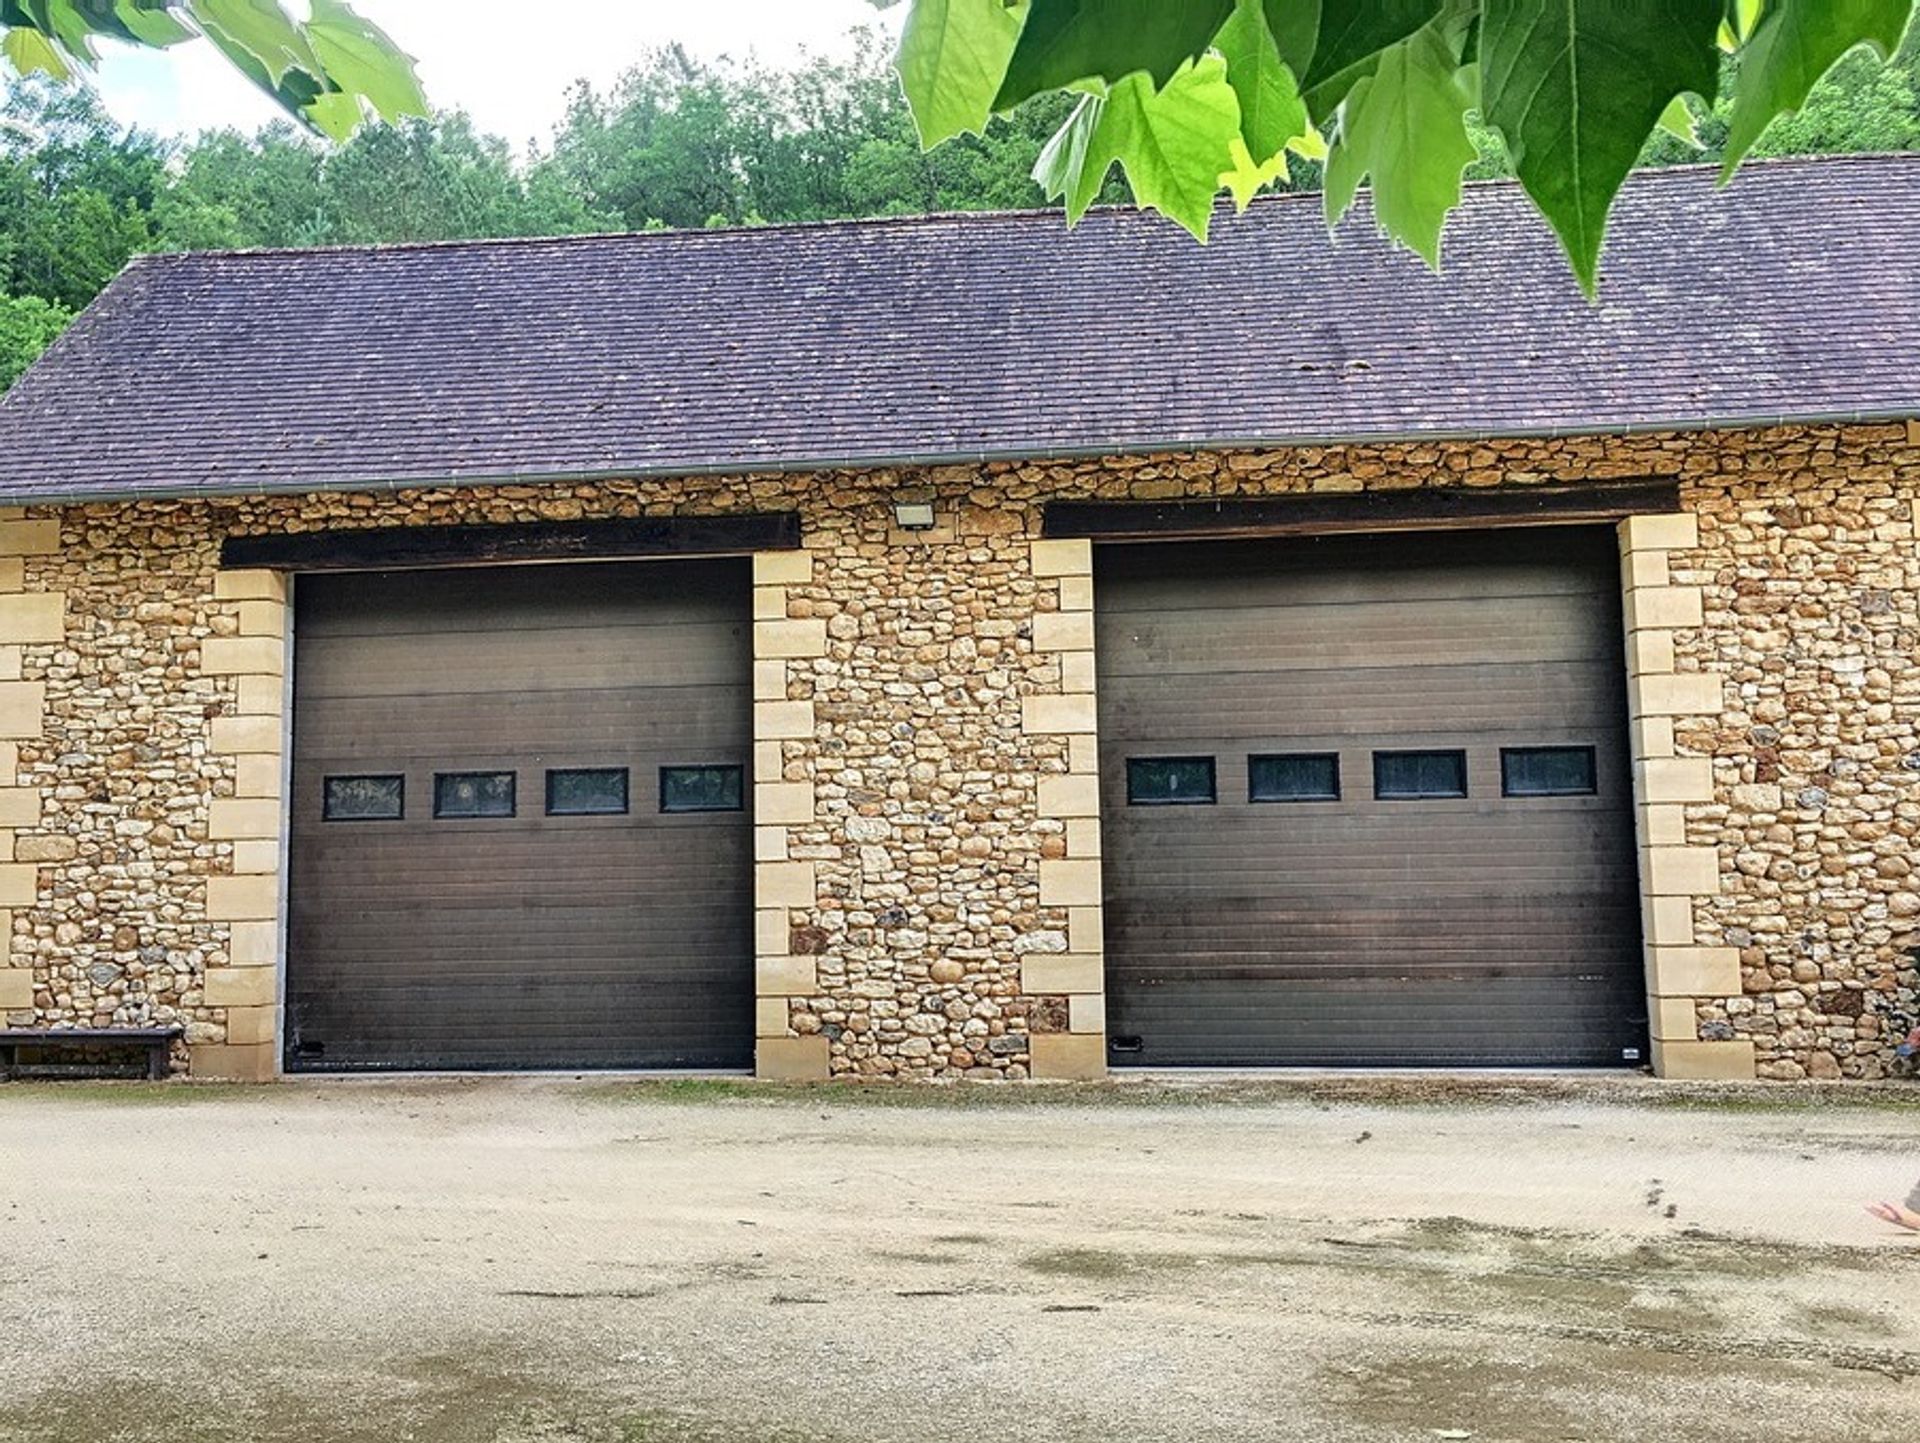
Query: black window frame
513, 796
626, 792
1339, 782
1466, 779
1212, 798
1591, 789
738, 770
326, 799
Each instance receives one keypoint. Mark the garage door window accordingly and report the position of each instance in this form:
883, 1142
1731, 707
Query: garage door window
587, 792
1170, 781
1419, 776
364, 799
1547, 771
1294, 777
473, 794
701, 789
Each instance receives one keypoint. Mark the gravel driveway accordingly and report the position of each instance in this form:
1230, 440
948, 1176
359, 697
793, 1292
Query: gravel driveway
516, 1259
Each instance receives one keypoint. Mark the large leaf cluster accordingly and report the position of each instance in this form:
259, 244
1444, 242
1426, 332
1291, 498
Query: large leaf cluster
330, 70
1190, 97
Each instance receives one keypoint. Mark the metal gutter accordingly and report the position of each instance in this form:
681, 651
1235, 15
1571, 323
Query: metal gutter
803, 465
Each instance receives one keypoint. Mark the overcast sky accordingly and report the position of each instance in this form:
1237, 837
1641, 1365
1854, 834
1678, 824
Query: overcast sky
494, 59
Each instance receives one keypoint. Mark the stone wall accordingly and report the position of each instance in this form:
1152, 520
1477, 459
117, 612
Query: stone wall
944, 851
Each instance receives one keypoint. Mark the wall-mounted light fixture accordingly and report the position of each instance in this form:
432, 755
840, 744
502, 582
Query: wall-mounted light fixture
913, 515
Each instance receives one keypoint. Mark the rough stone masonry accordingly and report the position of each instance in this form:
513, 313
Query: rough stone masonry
929, 895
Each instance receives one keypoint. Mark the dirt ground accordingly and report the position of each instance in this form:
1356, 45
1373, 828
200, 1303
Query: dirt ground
545, 1261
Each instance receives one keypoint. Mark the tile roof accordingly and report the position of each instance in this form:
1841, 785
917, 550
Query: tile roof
1792, 294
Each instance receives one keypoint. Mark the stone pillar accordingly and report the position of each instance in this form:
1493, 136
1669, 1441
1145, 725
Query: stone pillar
781, 884
1681, 968
1074, 881
248, 900
27, 618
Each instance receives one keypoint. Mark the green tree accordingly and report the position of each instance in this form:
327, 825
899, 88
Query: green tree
28, 326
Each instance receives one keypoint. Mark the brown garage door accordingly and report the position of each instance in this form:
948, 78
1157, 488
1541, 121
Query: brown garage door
1367, 801
519, 831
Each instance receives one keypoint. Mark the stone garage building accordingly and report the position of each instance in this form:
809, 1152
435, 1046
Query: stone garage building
957, 646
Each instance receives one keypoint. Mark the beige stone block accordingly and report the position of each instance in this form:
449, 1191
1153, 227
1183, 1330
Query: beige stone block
29, 538
1083, 755
1087, 930
782, 568
769, 603
1675, 531
1682, 871
1663, 826
231, 818
30, 617
243, 899
783, 884
222, 1062
1070, 883
786, 976
19, 884
782, 720
242, 986
1068, 1056
1703, 1061
23, 709
1673, 779
240, 735
262, 696
1913, 433
264, 618
1663, 606
1667, 921
12, 663
769, 844
1076, 593
239, 655
768, 764
783, 803
1646, 568
1063, 558
1686, 971
13, 573
16, 989
770, 1017
254, 856
1051, 715
253, 944
1675, 1019
1651, 736
802, 637
1087, 1012
257, 774
19, 806
1687, 694
791, 1059
1070, 796
1083, 837
769, 681
1063, 631
772, 929
247, 1026
1649, 653
249, 585
1077, 671
1044, 974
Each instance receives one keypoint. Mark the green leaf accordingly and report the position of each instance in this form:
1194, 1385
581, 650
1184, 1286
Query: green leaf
1271, 110
1795, 43
151, 22
1248, 177
1065, 41
360, 59
1174, 144
30, 52
1331, 44
1406, 126
953, 57
1677, 120
1576, 86
261, 29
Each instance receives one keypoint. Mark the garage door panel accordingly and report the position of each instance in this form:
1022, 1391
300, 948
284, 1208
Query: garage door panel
1503, 929
527, 940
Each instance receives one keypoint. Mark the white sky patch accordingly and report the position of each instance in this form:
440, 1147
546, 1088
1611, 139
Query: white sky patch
509, 67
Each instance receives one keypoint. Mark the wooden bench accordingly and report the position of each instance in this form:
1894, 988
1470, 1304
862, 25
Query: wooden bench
156, 1041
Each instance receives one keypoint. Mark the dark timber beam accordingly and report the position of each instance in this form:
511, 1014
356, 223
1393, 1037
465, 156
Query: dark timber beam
399, 548
1309, 514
